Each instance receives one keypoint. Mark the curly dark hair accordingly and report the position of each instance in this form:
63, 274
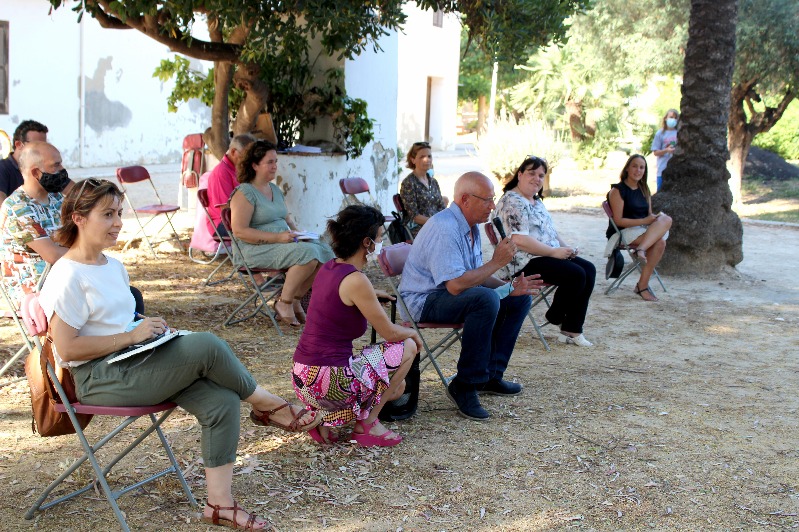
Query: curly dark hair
351, 226
531, 162
252, 155
84, 196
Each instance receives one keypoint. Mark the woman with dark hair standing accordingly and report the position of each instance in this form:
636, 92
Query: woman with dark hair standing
420, 193
327, 375
540, 250
643, 231
262, 224
89, 306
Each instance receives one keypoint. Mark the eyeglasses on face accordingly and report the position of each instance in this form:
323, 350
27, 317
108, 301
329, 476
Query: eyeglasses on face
487, 200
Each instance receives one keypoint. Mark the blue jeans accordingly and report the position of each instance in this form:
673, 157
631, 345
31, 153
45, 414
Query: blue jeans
484, 356
659, 182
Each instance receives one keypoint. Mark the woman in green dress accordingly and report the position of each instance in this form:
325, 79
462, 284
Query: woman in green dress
266, 233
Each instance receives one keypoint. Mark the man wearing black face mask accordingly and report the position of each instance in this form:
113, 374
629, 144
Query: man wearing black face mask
30, 214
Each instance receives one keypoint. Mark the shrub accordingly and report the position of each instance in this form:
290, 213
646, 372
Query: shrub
508, 143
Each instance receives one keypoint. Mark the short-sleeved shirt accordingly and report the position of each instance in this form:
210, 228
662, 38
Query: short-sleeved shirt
221, 183
93, 299
663, 139
10, 176
421, 199
520, 215
446, 248
26, 220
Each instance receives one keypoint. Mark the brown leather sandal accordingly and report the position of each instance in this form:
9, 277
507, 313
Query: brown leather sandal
291, 320
234, 524
265, 421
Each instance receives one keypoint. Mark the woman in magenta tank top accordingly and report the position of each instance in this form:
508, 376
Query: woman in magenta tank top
327, 374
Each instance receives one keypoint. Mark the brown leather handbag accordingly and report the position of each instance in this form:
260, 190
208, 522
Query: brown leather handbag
46, 420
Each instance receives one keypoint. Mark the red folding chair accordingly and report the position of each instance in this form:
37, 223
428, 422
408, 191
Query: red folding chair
131, 175
542, 296
352, 186
392, 262
36, 325
260, 293
631, 251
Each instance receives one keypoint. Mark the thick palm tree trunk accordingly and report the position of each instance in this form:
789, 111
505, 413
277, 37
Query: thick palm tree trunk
706, 235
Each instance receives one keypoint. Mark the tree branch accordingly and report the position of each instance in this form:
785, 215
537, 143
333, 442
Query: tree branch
148, 25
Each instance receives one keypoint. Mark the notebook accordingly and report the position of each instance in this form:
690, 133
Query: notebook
152, 343
306, 235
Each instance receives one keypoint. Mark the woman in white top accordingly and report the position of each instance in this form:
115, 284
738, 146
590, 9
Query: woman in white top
90, 309
540, 250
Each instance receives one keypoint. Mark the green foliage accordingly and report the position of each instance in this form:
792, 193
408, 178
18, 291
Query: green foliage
783, 139
508, 143
767, 47
190, 84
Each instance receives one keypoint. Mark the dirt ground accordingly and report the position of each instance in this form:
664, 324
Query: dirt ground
683, 416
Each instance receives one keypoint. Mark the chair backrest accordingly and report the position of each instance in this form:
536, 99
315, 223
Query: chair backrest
193, 162
132, 174
353, 185
491, 233
392, 258
33, 315
398, 204
202, 197
608, 210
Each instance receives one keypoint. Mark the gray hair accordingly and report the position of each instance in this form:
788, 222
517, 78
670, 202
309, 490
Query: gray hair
239, 142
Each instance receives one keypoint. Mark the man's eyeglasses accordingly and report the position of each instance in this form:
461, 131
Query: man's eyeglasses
487, 200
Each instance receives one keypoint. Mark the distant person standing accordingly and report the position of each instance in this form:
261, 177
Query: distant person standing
665, 142
10, 175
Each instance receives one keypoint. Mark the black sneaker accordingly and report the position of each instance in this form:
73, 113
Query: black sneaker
499, 387
465, 399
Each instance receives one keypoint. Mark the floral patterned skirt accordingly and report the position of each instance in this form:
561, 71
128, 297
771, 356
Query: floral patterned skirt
349, 392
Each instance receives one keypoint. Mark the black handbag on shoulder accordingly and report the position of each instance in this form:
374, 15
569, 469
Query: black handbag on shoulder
405, 405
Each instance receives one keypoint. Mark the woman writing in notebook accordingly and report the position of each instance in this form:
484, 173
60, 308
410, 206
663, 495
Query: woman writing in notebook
89, 307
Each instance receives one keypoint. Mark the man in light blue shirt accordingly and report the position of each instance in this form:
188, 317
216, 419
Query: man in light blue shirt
445, 281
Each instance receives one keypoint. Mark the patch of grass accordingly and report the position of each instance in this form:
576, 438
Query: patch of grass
791, 216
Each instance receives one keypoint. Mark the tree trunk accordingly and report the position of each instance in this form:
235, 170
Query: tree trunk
218, 137
255, 98
574, 113
481, 115
742, 129
706, 234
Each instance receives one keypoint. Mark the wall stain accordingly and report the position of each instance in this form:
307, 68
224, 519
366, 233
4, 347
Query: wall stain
101, 113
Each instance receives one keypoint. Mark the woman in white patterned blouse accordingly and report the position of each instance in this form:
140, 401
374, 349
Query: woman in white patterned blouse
542, 251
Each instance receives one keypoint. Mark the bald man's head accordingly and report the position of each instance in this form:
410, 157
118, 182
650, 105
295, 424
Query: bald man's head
41, 155
474, 194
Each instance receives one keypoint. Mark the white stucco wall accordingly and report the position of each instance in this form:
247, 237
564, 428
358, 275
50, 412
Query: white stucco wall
126, 119
428, 51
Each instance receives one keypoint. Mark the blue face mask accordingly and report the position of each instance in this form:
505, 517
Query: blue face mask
671, 123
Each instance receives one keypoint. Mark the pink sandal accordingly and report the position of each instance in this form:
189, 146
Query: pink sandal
370, 440
316, 434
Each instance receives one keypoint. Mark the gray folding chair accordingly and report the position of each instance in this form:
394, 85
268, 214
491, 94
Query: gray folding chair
625, 246
36, 326
260, 293
542, 297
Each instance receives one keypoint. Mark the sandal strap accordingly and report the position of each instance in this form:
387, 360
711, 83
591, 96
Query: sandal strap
270, 412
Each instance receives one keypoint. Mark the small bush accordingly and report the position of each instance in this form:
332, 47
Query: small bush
508, 143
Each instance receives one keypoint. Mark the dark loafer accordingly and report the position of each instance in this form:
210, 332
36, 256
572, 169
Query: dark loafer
499, 387
465, 399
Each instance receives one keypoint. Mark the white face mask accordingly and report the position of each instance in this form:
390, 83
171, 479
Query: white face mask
372, 255
671, 123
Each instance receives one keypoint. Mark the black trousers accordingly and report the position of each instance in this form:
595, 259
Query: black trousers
575, 281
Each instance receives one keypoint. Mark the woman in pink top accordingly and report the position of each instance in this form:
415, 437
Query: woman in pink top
327, 375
